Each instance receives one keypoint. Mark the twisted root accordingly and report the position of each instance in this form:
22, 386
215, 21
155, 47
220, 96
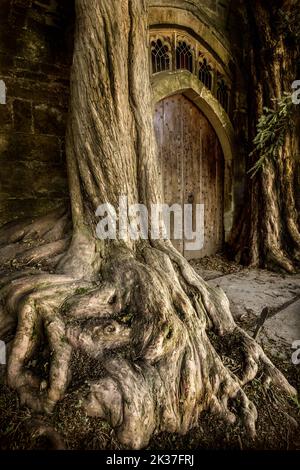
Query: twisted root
147, 323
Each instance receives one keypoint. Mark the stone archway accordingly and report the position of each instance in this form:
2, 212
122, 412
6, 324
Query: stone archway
171, 83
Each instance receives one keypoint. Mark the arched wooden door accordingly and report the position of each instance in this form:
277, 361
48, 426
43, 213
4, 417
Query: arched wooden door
192, 167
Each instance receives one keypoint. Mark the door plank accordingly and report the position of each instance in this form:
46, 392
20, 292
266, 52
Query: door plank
192, 167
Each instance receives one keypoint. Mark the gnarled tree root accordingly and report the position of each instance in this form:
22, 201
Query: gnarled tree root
147, 322
41, 429
44, 240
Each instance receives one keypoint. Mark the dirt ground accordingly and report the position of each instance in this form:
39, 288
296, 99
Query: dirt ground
278, 416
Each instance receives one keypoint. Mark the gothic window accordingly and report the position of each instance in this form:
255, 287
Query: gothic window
184, 56
173, 50
160, 55
205, 74
222, 94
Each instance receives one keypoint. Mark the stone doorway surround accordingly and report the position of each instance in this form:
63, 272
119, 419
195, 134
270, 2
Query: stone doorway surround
169, 83
191, 20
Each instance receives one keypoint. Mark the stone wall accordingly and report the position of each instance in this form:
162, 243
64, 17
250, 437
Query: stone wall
35, 55
36, 39
215, 12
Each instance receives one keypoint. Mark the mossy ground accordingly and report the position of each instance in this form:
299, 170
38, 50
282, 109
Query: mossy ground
278, 415
276, 425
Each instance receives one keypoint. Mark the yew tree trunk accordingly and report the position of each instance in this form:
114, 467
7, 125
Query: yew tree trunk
267, 234
137, 307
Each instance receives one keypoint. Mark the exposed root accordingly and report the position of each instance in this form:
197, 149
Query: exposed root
36, 302
147, 325
23, 244
277, 259
40, 429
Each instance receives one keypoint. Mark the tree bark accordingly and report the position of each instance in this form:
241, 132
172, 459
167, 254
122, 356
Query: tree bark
137, 307
267, 234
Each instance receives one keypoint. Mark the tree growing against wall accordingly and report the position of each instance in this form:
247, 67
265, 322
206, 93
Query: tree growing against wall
137, 307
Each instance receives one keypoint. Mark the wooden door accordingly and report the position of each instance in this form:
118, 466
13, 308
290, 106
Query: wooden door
191, 165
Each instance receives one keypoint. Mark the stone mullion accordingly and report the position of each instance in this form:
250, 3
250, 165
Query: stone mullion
174, 45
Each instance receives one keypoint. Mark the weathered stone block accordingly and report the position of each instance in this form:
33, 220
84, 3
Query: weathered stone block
32, 75
32, 179
17, 17
34, 62
22, 112
22, 3
16, 147
11, 209
5, 9
23, 64
57, 71
49, 119
43, 92
6, 64
7, 39
6, 121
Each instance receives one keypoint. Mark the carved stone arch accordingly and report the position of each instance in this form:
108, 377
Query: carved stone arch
187, 53
167, 84
177, 18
